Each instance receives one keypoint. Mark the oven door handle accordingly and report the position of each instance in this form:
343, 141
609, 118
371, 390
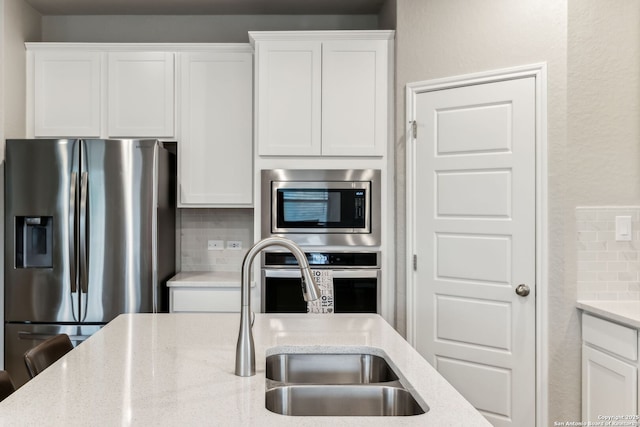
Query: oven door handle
337, 274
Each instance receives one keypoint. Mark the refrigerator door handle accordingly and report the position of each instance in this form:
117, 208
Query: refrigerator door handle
84, 188
72, 232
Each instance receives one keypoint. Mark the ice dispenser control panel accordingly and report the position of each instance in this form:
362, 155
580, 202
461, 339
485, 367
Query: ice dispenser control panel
34, 235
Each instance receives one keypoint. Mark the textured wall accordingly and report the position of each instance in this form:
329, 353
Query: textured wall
603, 144
186, 28
604, 102
21, 23
447, 38
387, 16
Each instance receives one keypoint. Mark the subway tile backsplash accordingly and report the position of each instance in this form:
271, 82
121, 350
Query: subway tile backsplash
198, 226
607, 269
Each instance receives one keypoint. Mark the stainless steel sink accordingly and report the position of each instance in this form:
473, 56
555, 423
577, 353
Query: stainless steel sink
320, 384
342, 400
309, 368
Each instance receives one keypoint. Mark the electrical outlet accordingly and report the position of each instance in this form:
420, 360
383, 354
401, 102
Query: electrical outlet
234, 245
215, 245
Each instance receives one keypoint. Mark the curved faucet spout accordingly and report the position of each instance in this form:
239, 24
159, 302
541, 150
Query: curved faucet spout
245, 349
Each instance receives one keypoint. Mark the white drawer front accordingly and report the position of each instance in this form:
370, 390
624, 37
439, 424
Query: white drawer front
610, 336
194, 300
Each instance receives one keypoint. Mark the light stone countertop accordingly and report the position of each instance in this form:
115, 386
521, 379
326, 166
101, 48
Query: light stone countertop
624, 312
205, 279
177, 369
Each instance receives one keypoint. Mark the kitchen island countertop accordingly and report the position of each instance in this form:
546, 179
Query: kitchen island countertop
177, 369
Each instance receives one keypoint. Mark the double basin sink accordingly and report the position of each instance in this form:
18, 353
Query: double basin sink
350, 384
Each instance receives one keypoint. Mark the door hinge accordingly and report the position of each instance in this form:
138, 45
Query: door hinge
415, 262
414, 129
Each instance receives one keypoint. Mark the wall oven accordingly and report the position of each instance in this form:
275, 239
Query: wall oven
322, 207
356, 281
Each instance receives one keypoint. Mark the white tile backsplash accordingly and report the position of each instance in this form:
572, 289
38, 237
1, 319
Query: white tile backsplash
197, 226
607, 269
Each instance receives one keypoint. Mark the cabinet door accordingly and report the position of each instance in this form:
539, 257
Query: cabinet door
141, 94
215, 149
66, 94
288, 97
354, 97
609, 385
204, 300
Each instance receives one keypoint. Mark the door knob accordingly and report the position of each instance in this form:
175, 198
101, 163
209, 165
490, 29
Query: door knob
522, 290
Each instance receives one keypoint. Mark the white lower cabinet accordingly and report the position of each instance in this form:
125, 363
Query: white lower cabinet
204, 300
610, 367
205, 292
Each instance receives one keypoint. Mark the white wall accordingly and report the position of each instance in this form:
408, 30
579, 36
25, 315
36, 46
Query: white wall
387, 17
190, 28
604, 151
604, 102
446, 38
21, 24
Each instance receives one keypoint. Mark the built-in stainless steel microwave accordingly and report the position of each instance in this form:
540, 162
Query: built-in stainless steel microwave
322, 207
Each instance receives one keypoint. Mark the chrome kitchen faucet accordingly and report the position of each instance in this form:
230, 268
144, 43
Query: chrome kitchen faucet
245, 349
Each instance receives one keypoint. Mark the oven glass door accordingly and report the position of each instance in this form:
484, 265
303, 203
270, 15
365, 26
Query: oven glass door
314, 207
354, 291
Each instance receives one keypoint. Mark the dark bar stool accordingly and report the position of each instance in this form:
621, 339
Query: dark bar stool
6, 385
44, 354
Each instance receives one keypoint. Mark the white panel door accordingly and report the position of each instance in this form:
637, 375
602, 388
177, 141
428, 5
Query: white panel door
141, 94
215, 149
288, 98
354, 97
475, 243
67, 94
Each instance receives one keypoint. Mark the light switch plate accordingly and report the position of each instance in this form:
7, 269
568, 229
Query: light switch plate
623, 228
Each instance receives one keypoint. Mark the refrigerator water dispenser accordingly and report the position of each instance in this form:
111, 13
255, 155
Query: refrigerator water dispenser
34, 242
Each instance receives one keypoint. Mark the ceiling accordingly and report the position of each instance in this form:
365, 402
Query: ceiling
206, 7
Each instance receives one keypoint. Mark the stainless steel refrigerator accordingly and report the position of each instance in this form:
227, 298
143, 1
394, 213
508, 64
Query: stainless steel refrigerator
89, 234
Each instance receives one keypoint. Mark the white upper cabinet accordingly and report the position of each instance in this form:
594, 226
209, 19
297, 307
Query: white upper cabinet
216, 109
141, 94
100, 90
323, 93
354, 97
289, 99
66, 91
